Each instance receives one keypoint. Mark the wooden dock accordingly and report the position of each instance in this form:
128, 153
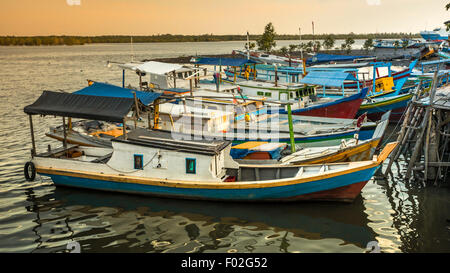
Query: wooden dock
424, 138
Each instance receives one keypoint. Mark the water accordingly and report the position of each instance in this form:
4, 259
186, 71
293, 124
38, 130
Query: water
37, 217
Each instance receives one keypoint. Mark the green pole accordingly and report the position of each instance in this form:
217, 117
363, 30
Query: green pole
291, 128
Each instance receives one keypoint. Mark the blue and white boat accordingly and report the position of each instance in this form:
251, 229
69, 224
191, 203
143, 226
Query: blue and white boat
435, 34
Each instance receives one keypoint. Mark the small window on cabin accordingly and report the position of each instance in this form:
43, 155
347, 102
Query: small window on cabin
268, 94
191, 165
260, 93
138, 162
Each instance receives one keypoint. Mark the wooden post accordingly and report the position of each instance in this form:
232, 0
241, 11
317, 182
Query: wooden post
33, 151
156, 116
427, 143
191, 88
124, 128
140, 81
417, 148
291, 128
174, 79
148, 119
276, 77
403, 132
65, 133
234, 79
123, 78
197, 76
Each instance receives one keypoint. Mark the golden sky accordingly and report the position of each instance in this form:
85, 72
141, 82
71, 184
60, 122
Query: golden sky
148, 17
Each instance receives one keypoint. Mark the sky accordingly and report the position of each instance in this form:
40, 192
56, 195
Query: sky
150, 17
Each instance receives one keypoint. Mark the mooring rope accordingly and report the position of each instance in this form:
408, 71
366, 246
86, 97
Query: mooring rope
134, 171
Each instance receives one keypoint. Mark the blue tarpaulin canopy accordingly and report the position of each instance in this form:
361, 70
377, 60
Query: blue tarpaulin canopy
222, 61
107, 90
329, 79
324, 58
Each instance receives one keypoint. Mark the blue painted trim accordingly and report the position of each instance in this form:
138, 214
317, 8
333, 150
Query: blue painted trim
254, 194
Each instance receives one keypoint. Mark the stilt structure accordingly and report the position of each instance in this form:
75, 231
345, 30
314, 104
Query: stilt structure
424, 139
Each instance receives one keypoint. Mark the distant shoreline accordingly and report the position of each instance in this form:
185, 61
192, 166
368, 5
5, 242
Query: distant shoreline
168, 38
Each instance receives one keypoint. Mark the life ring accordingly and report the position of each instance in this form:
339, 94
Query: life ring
29, 167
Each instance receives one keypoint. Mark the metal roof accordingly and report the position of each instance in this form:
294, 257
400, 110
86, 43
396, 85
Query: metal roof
325, 78
222, 61
108, 90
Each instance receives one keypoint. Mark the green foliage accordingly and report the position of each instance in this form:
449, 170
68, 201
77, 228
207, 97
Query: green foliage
309, 47
250, 46
328, 43
163, 38
347, 45
396, 44
368, 44
405, 44
267, 40
284, 50
447, 7
292, 48
317, 46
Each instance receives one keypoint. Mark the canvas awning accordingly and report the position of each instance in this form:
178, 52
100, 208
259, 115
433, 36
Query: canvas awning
222, 61
152, 67
324, 58
108, 90
328, 79
111, 109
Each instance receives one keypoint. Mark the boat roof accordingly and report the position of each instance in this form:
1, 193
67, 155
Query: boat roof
223, 61
152, 67
174, 141
324, 58
327, 78
111, 109
108, 90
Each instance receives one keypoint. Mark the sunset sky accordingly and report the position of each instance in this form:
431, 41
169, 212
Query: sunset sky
148, 17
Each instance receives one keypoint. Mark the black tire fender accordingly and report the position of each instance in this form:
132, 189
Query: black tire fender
29, 171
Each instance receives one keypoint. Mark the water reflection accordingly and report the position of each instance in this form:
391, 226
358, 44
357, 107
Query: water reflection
104, 222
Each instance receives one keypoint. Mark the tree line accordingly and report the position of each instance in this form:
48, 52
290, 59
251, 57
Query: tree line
81, 40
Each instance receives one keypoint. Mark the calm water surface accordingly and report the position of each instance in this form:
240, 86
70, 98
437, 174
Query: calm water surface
37, 217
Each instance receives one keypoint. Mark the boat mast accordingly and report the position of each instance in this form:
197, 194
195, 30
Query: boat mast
301, 48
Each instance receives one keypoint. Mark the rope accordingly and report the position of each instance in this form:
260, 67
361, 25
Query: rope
134, 170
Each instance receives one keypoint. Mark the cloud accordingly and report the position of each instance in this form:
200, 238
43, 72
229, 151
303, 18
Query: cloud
373, 2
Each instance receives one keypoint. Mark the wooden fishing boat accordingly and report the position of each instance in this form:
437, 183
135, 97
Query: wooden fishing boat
162, 164
199, 171
349, 150
376, 107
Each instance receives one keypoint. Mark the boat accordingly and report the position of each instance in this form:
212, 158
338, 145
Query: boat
353, 149
341, 106
437, 34
155, 163
348, 151
376, 107
266, 58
